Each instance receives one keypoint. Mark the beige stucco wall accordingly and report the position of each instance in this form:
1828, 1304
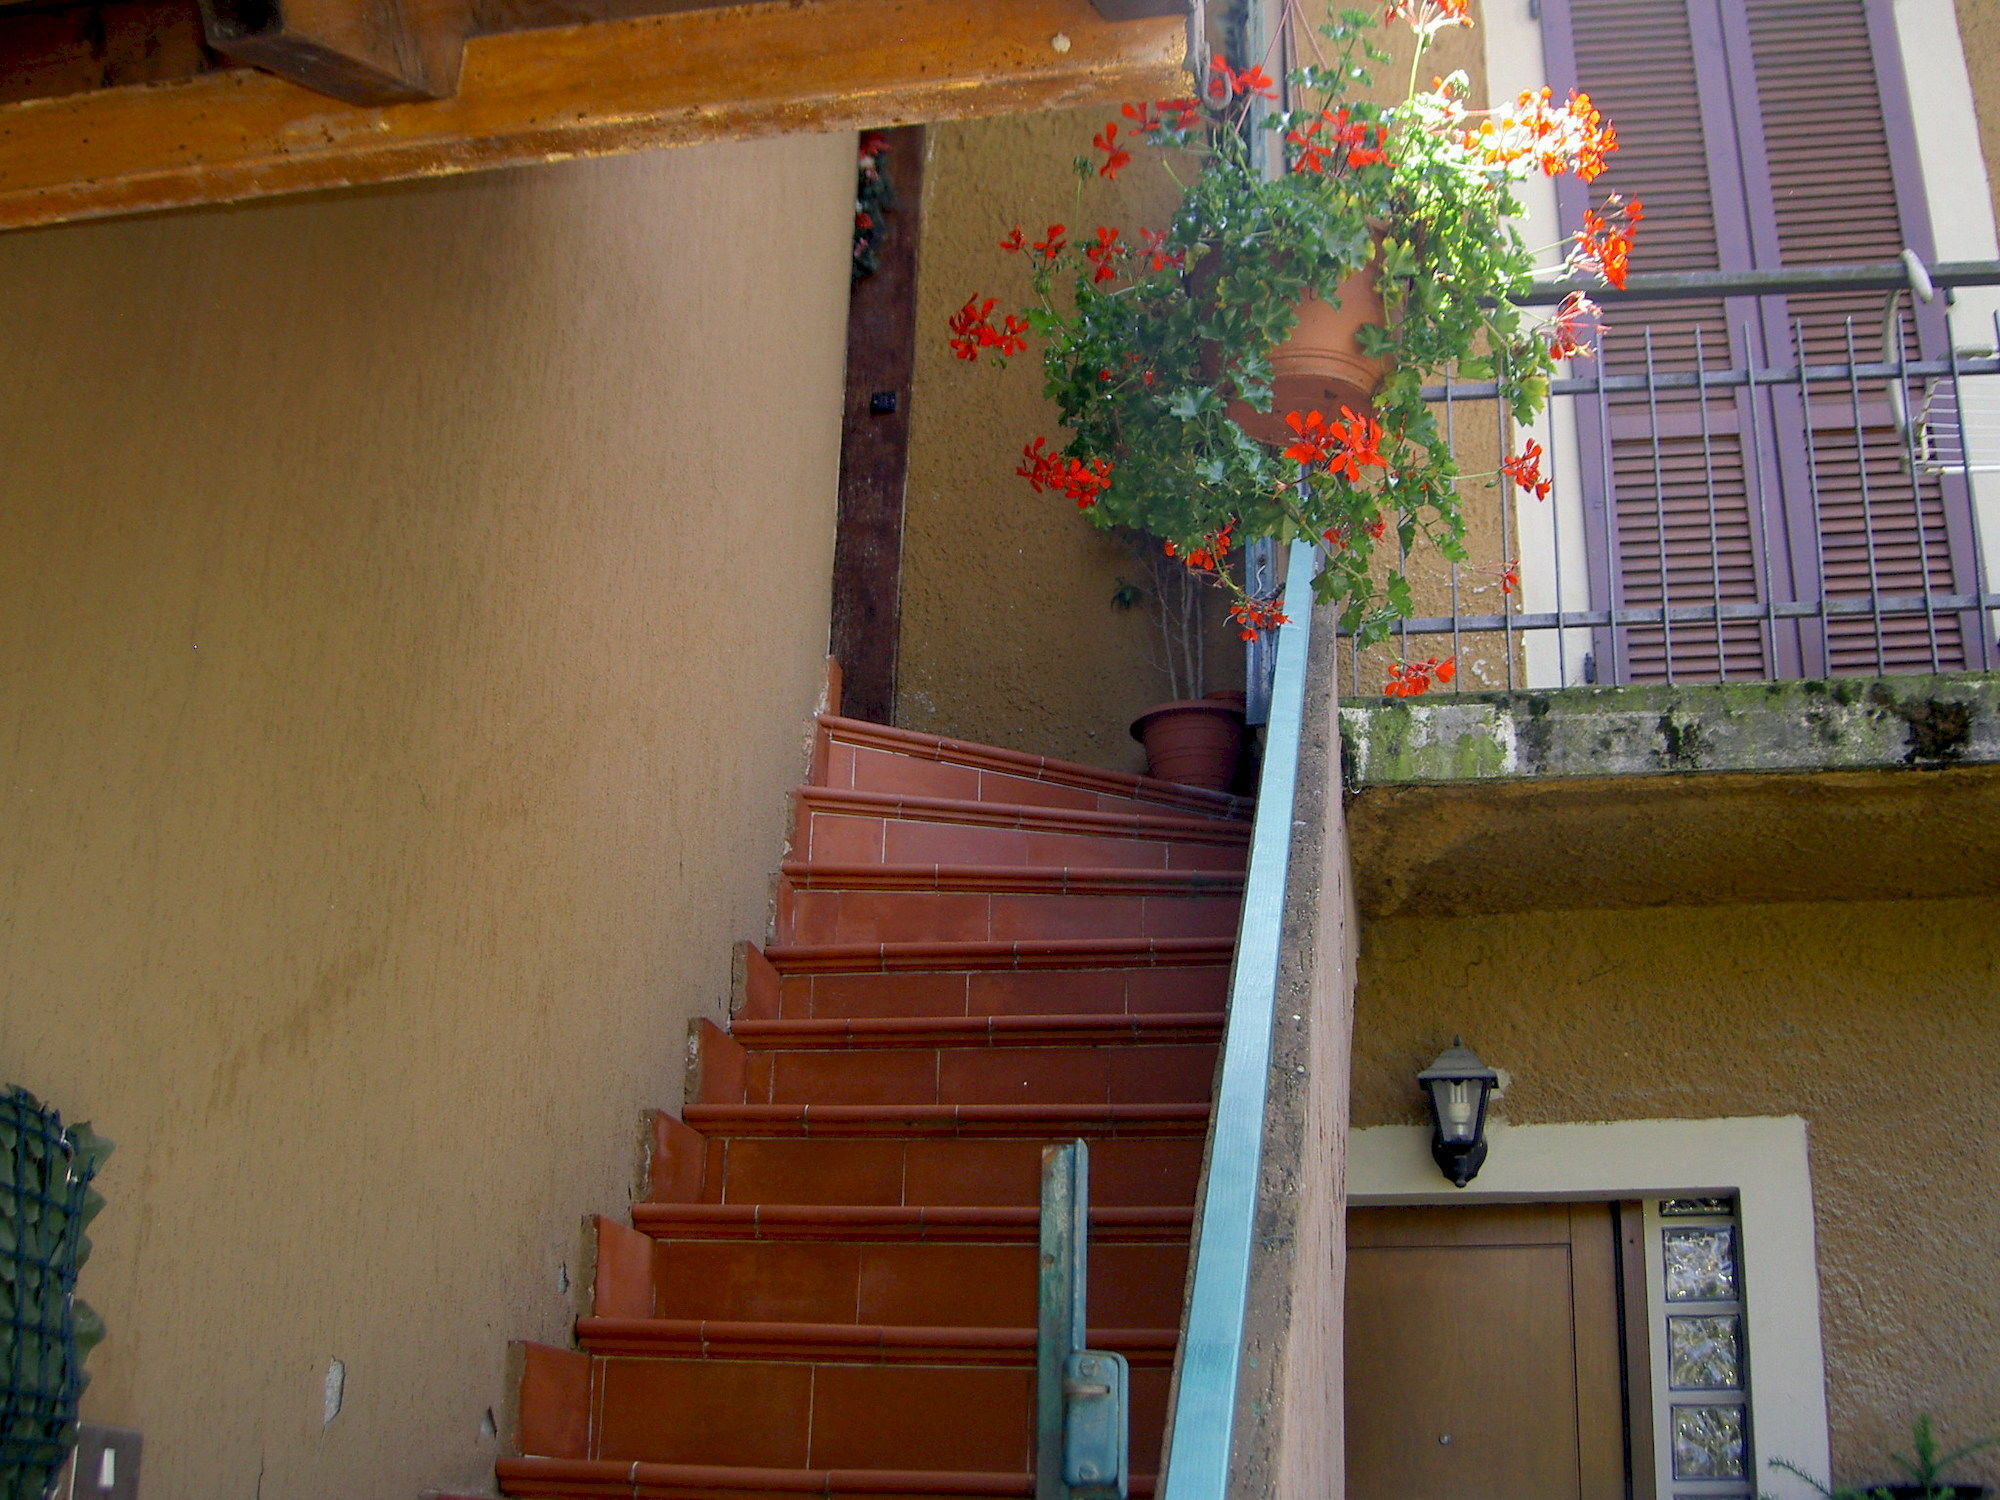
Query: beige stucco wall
1872, 1020
410, 608
1009, 634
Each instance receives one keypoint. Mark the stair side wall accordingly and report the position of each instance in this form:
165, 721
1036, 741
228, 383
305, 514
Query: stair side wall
412, 604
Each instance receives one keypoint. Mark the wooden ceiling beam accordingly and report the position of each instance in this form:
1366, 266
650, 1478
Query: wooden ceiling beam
586, 90
359, 51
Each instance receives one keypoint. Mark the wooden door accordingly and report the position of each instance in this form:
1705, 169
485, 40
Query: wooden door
1485, 1354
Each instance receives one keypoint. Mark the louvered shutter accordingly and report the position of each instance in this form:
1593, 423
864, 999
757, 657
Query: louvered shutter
1758, 134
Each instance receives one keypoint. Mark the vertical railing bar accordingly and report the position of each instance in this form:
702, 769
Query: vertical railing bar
1556, 550
1506, 547
1980, 583
1714, 528
1813, 505
1753, 473
1451, 447
1058, 1296
1612, 540
1901, 378
1867, 510
1659, 507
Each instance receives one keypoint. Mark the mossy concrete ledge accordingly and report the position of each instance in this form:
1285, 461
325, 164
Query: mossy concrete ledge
1841, 724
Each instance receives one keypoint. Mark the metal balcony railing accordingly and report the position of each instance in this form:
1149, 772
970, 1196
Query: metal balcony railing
1756, 478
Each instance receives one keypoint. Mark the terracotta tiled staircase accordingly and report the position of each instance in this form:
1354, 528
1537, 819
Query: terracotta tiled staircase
830, 1288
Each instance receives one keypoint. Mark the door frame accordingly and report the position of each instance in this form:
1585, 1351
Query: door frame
1761, 1160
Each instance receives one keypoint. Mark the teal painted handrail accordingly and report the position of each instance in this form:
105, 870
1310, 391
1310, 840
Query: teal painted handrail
1197, 1463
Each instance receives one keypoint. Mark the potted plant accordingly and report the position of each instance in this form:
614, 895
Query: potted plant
1195, 737
1254, 368
1923, 1466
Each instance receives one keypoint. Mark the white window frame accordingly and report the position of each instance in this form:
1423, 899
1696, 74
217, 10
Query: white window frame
1761, 1160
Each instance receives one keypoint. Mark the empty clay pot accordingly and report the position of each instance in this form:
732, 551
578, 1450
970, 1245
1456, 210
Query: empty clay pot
1195, 741
1321, 366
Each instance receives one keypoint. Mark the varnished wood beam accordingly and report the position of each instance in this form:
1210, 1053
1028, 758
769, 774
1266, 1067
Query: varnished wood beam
587, 90
359, 51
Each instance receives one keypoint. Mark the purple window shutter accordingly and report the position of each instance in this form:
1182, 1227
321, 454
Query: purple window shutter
1741, 131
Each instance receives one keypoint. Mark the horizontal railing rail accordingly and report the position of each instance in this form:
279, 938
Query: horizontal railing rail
1203, 1420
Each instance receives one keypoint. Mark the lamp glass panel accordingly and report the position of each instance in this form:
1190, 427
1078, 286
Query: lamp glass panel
1456, 1102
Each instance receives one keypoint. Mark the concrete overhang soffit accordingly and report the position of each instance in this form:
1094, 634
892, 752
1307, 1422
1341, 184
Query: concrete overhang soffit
124, 106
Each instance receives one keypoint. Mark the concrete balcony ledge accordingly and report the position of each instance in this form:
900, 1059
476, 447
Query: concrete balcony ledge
1853, 789
1843, 724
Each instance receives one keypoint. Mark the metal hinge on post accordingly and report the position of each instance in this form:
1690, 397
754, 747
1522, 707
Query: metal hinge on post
1081, 1409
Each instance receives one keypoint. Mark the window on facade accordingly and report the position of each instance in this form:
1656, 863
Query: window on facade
1760, 134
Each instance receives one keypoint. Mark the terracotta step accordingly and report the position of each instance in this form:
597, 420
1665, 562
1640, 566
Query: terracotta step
898, 1283
881, 1222
805, 1401
1123, 1067
973, 903
590, 1479
1093, 976
851, 827
965, 1171
852, 755
1037, 1120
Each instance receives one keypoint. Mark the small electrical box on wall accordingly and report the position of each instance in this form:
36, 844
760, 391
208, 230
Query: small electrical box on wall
104, 1465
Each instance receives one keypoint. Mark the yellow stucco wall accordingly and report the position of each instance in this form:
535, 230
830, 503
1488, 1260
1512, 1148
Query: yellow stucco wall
1009, 634
410, 608
1872, 1020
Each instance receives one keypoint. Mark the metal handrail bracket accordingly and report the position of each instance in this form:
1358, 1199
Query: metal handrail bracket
1211, 1359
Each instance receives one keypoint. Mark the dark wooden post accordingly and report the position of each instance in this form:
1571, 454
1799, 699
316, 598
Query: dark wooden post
874, 449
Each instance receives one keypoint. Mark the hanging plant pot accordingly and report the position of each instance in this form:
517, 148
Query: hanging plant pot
1196, 742
1321, 366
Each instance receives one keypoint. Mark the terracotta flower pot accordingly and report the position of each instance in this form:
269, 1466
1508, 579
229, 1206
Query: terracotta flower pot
1195, 741
1321, 367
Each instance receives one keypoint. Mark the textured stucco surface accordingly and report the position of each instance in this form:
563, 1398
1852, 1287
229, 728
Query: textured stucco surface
1841, 724
1874, 1021
1855, 789
410, 606
1009, 635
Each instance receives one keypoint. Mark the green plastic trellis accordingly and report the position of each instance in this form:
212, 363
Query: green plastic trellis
46, 1201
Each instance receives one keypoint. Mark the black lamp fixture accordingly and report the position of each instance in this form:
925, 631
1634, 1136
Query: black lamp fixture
1458, 1085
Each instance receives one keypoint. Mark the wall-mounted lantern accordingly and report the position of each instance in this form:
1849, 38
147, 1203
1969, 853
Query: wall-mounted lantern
1458, 1085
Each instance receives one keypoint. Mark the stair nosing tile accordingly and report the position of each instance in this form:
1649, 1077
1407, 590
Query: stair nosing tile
1055, 880
846, 1343
914, 744
637, 1472
840, 1120
999, 955
1162, 828
946, 1223
1064, 1028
